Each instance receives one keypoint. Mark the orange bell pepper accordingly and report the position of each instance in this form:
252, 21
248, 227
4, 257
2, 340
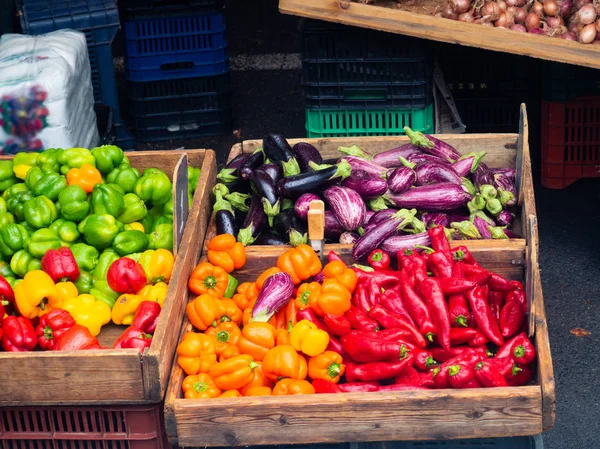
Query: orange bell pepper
334, 298
283, 361
259, 380
206, 278
339, 271
225, 252
327, 366
229, 311
246, 316
85, 177
199, 386
233, 373
282, 337
227, 334
196, 353
204, 311
308, 338
263, 277
308, 296
289, 387
300, 263
257, 339
229, 352
231, 394
245, 293
258, 391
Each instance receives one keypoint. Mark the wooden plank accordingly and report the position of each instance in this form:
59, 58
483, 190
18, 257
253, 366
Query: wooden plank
393, 20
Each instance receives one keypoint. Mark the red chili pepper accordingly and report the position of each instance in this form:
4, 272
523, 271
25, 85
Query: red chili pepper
310, 315
496, 301
60, 264
411, 377
134, 338
517, 295
439, 241
384, 279
460, 375
434, 298
353, 387
336, 346
373, 293
146, 316
365, 350
488, 375
360, 298
391, 299
455, 286
440, 376
483, 316
52, 326
332, 256
358, 319
368, 372
462, 335
440, 265
422, 359
18, 334
522, 350
512, 316
418, 267
397, 387
460, 315
391, 335
418, 311
7, 295
503, 365
517, 285
462, 254
462, 352
519, 376
379, 260
126, 276
323, 386
477, 274
479, 339
408, 278
77, 338
337, 325
500, 284
388, 320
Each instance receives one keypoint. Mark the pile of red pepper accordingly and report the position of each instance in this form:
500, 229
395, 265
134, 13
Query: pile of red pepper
430, 324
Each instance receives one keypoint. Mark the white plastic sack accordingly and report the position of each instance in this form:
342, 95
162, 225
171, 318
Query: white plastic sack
46, 94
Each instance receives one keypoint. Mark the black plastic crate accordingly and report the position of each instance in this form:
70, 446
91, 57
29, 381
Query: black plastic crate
564, 82
172, 129
131, 9
347, 67
104, 121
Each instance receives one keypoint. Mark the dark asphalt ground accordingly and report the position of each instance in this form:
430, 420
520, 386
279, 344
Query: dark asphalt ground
569, 219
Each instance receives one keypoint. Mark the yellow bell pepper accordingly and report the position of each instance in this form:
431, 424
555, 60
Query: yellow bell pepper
88, 312
36, 295
158, 265
125, 308
66, 290
155, 293
308, 338
135, 226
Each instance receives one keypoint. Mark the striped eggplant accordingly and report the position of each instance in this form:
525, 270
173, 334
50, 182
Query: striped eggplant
391, 158
432, 145
401, 179
505, 218
370, 167
372, 239
333, 228
468, 163
276, 292
482, 176
507, 191
347, 205
433, 172
435, 219
396, 243
482, 226
365, 185
302, 205
349, 238
510, 173
436, 197
425, 157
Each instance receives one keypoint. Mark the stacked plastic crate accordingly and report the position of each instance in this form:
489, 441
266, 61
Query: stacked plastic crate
177, 68
361, 82
99, 20
570, 124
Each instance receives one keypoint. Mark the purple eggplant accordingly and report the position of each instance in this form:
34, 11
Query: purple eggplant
456, 216
349, 238
510, 173
333, 228
372, 239
468, 163
276, 292
369, 215
433, 173
347, 205
254, 222
379, 217
482, 216
510, 234
507, 191
302, 205
315, 181
396, 243
433, 219
432, 145
401, 179
482, 227
371, 168
425, 157
267, 189
391, 158
273, 170
436, 197
287, 220
365, 185
306, 153
229, 173
255, 160
270, 238
482, 176
278, 150
505, 218
226, 223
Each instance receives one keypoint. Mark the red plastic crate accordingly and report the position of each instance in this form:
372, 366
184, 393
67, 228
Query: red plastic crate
570, 141
103, 427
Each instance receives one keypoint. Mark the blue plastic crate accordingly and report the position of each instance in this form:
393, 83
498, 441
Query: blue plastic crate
176, 47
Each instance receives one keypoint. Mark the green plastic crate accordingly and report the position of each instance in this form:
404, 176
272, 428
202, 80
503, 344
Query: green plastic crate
367, 122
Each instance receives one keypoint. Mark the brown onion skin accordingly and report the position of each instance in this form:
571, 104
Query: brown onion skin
537, 8
598, 29
588, 34
466, 17
461, 6
502, 4
536, 31
519, 28
551, 8
555, 22
586, 14
569, 36
532, 21
491, 9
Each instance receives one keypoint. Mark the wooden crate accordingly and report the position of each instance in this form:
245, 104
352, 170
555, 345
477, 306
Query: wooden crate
416, 19
503, 150
115, 376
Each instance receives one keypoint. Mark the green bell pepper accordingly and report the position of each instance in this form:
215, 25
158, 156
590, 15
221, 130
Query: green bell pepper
107, 199
147, 223
41, 241
22, 262
40, 212
16, 203
5, 270
134, 209
161, 220
75, 158
156, 211
105, 260
167, 209
128, 242
84, 282
13, 237
7, 176
193, 176
73, 203
161, 237
86, 256
125, 176
134, 256
107, 158
154, 187
22, 162
100, 230
41, 183
102, 292
3, 208
66, 230
48, 160
6, 218
13, 190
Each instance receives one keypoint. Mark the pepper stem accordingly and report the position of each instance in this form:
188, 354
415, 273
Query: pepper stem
377, 256
461, 320
519, 351
209, 282
429, 336
253, 365
200, 387
454, 370
223, 336
334, 370
48, 334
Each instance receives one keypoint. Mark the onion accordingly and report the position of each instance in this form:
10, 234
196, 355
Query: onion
519, 14
491, 9
586, 14
449, 13
573, 27
461, 6
551, 7
502, 21
537, 8
511, 3
579, 3
569, 36
536, 31
532, 21
502, 4
596, 43
487, 24
598, 28
466, 17
555, 22
565, 7
519, 28
588, 34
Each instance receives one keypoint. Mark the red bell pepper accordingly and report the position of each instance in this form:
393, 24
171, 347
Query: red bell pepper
379, 260
500, 284
52, 326
359, 320
434, 298
477, 274
7, 295
488, 375
418, 311
439, 241
512, 317
496, 302
422, 359
520, 349
391, 299
367, 372
388, 320
519, 376
462, 335
126, 276
461, 375
134, 338
77, 338
60, 264
146, 316
441, 265
18, 334
322, 386
455, 286
310, 315
460, 315
462, 254
482, 314
353, 387
337, 325
365, 350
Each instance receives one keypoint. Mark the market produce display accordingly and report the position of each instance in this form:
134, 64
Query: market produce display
85, 239
439, 320
263, 198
